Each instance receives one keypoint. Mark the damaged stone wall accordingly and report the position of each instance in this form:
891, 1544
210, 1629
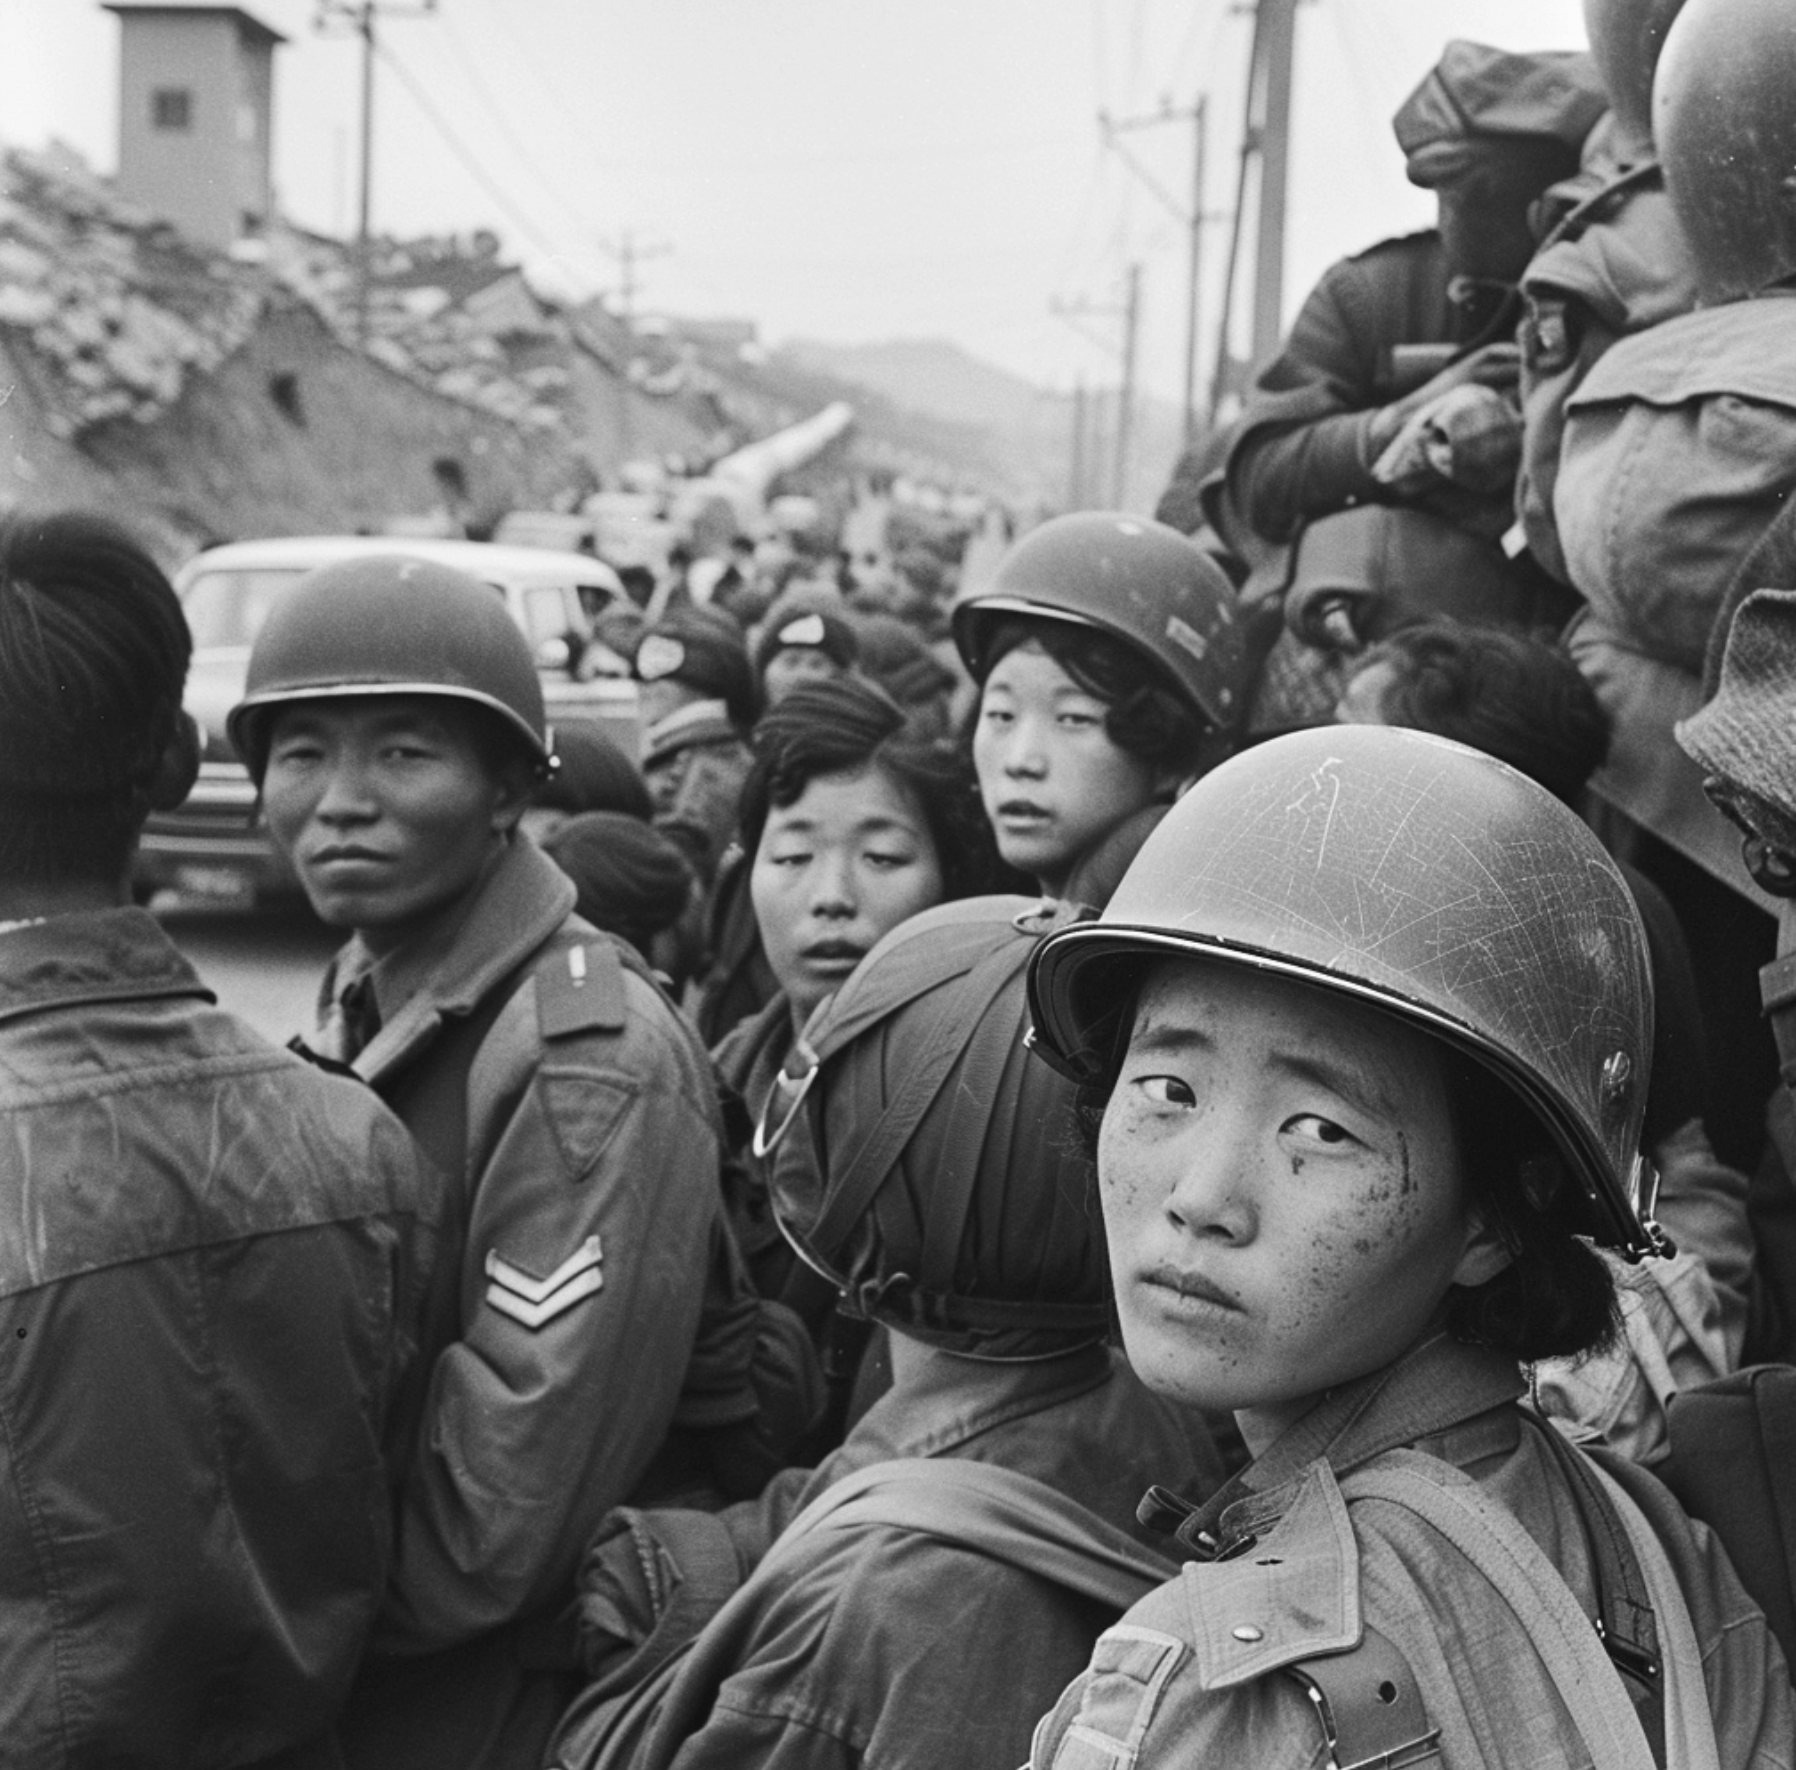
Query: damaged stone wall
294, 434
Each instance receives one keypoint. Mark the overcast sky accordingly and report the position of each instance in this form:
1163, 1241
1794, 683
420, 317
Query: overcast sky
851, 170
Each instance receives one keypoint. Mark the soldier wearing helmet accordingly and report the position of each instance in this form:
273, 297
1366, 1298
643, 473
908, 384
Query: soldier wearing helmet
1108, 655
1373, 1070
393, 722
949, 1199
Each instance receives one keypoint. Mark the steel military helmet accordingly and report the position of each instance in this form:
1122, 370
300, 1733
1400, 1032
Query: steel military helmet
1424, 879
1136, 580
389, 624
941, 1185
1626, 37
1726, 133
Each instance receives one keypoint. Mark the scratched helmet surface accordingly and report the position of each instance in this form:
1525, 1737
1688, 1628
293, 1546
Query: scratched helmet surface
1137, 580
1417, 876
389, 624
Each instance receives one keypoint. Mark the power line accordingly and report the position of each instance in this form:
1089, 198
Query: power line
497, 112
503, 20
465, 154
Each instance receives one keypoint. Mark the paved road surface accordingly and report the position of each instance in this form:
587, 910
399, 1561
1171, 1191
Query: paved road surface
264, 964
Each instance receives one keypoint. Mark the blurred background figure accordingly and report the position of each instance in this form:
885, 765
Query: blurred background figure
632, 880
803, 641
592, 774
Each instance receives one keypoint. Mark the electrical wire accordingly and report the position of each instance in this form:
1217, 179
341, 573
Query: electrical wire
504, 18
471, 164
526, 157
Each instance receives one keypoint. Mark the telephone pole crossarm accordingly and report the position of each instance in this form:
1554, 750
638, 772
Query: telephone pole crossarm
359, 17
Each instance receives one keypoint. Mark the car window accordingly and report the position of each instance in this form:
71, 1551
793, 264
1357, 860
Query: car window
227, 608
545, 613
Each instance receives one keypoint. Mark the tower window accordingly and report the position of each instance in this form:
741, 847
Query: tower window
171, 107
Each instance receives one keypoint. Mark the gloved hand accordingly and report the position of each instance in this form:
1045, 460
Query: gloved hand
1470, 436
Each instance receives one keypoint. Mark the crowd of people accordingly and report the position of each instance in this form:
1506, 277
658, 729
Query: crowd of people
1134, 1160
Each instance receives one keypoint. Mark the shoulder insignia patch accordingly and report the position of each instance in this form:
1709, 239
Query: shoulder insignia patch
535, 1301
581, 990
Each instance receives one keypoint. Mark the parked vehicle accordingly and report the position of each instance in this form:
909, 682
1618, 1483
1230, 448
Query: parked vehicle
214, 844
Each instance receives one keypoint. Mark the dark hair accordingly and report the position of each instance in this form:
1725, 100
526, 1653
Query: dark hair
846, 724
1142, 715
93, 658
1556, 1297
1501, 690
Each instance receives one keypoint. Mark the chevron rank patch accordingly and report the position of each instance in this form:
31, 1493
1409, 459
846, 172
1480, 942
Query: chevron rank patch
535, 1301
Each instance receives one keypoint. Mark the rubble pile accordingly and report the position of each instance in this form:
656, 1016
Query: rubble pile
108, 309
421, 328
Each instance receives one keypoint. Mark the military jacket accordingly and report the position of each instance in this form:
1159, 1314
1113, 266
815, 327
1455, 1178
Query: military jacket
212, 1265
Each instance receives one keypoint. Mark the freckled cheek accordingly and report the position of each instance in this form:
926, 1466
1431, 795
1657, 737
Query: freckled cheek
1349, 1258
1129, 1191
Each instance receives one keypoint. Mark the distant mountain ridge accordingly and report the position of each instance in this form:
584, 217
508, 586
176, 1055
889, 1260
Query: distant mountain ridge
1030, 427
935, 376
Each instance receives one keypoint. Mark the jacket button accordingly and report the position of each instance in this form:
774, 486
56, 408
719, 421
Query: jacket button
1247, 1632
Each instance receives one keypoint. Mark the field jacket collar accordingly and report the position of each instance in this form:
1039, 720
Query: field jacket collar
1445, 1397
116, 955
449, 967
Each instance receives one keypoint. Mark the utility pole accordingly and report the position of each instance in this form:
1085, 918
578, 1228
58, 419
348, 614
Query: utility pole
360, 17
1200, 129
1075, 473
1125, 402
1193, 218
1074, 312
1265, 145
629, 252
1275, 45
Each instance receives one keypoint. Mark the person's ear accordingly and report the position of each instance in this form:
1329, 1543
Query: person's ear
177, 768
1484, 1255
513, 789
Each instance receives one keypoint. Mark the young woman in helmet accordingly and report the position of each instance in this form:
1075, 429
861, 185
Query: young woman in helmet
393, 723
1372, 1073
1107, 650
956, 1211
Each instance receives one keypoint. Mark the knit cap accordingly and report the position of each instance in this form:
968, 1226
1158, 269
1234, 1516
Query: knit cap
1747, 733
593, 774
699, 722
632, 881
704, 650
894, 655
820, 629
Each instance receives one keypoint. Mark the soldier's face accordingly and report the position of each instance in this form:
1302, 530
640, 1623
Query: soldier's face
1282, 1191
389, 808
1053, 781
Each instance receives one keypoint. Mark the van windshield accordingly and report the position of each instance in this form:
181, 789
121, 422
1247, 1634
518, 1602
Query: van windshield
227, 608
